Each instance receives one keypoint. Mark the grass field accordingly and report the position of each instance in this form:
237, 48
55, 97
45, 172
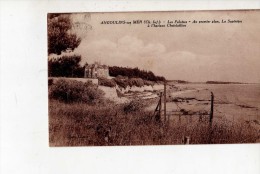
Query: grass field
81, 124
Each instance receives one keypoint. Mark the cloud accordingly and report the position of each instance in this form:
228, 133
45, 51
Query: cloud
126, 51
133, 52
129, 51
195, 53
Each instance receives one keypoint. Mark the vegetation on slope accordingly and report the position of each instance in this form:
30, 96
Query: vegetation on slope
79, 116
134, 73
80, 124
70, 91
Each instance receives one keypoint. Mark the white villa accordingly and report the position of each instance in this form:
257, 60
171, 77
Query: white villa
96, 71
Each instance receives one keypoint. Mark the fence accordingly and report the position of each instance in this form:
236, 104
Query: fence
169, 116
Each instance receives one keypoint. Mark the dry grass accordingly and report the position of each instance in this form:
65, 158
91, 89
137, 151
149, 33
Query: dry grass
81, 124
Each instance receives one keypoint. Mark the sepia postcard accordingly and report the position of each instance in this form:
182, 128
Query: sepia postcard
154, 78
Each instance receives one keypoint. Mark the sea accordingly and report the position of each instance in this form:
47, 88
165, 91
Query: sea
239, 101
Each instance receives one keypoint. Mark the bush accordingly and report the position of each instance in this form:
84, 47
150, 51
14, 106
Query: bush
121, 77
121, 82
148, 83
132, 106
74, 91
136, 82
124, 82
106, 82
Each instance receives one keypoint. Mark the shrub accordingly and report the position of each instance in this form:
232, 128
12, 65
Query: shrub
132, 106
148, 83
121, 77
121, 82
74, 91
136, 82
106, 82
124, 82
119, 93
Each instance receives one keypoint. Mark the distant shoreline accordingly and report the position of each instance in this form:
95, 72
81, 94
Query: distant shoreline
220, 82
207, 82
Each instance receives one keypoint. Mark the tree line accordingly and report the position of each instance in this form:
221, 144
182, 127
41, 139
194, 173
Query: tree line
69, 66
134, 73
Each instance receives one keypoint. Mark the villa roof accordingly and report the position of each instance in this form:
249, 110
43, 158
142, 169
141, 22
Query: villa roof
97, 66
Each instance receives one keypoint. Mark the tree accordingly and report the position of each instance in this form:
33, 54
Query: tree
65, 66
134, 73
60, 36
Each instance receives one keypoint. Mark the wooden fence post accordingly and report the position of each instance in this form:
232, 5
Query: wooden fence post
186, 140
211, 109
160, 108
211, 117
157, 112
165, 102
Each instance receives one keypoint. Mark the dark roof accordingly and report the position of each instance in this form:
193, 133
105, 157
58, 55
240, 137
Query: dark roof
97, 66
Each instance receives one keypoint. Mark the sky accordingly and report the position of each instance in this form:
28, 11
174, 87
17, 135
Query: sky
196, 53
